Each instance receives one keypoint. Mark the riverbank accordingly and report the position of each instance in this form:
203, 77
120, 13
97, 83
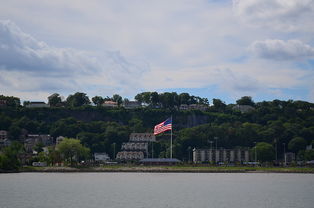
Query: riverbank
171, 169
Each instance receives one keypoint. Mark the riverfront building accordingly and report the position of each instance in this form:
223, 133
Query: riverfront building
220, 155
137, 146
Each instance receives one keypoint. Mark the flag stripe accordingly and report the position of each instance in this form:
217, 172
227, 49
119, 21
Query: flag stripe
164, 126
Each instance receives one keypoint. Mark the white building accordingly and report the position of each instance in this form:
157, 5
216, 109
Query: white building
132, 105
37, 105
220, 155
101, 157
142, 137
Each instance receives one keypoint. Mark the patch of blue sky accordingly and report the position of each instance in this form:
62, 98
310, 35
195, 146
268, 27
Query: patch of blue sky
308, 65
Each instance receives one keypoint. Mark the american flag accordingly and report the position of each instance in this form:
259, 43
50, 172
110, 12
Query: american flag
164, 126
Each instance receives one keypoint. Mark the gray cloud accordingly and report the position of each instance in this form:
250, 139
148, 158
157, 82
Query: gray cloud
285, 15
282, 50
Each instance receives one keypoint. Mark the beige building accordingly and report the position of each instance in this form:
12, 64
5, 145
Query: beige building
110, 104
220, 155
142, 137
137, 147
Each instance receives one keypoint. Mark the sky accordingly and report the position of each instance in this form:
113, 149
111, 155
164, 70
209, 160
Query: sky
221, 49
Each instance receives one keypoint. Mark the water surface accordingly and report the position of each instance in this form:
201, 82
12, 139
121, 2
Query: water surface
156, 190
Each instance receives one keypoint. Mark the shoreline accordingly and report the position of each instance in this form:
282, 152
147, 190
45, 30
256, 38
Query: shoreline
163, 169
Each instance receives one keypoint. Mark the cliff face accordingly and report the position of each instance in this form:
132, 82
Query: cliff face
149, 117
196, 120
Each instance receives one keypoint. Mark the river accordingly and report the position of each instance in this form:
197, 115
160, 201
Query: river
156, 190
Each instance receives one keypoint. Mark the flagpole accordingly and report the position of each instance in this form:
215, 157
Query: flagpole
171, 139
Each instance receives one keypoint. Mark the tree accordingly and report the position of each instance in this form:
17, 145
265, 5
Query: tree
11, 101
309, 154
265, 151
219, 105
54, 99
117, 98
296, 144
144, 97
14, 132
246, 100
77, 100
39, 147
72, 150
98, 100
154, 97
9, 158
184, 98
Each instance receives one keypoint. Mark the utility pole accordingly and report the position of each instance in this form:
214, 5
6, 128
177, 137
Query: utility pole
211, 150
114, 150
255, 154
276, 150
284, 153
216, 158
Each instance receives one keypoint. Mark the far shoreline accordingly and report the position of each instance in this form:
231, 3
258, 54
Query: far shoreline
163, 169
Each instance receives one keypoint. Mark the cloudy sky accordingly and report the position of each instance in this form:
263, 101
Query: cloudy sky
210, 48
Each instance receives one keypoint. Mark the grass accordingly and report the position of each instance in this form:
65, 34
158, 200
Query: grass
176, 168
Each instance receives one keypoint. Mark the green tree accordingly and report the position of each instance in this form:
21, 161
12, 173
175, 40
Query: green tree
219, 105
117, 98
144, 97
265, 151
77, 100
98, 100
14, 132
72, 150
11, 101
54, 100
154, 97
246, 100
309, 155
296, 144
184, 98
39, 147
9, 158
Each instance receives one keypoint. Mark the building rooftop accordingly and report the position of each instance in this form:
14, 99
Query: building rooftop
161, 160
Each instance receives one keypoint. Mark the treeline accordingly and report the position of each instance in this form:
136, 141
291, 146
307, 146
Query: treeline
78, 99
282, 124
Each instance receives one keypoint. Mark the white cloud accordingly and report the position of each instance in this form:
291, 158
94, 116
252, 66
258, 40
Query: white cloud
288, 15
282, 50
27, 64
176, 44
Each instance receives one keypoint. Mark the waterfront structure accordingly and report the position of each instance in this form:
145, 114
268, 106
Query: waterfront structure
142, 137
289, 157
220, 155
101, 157
130, 155
33, 139
160, 161
137, 146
